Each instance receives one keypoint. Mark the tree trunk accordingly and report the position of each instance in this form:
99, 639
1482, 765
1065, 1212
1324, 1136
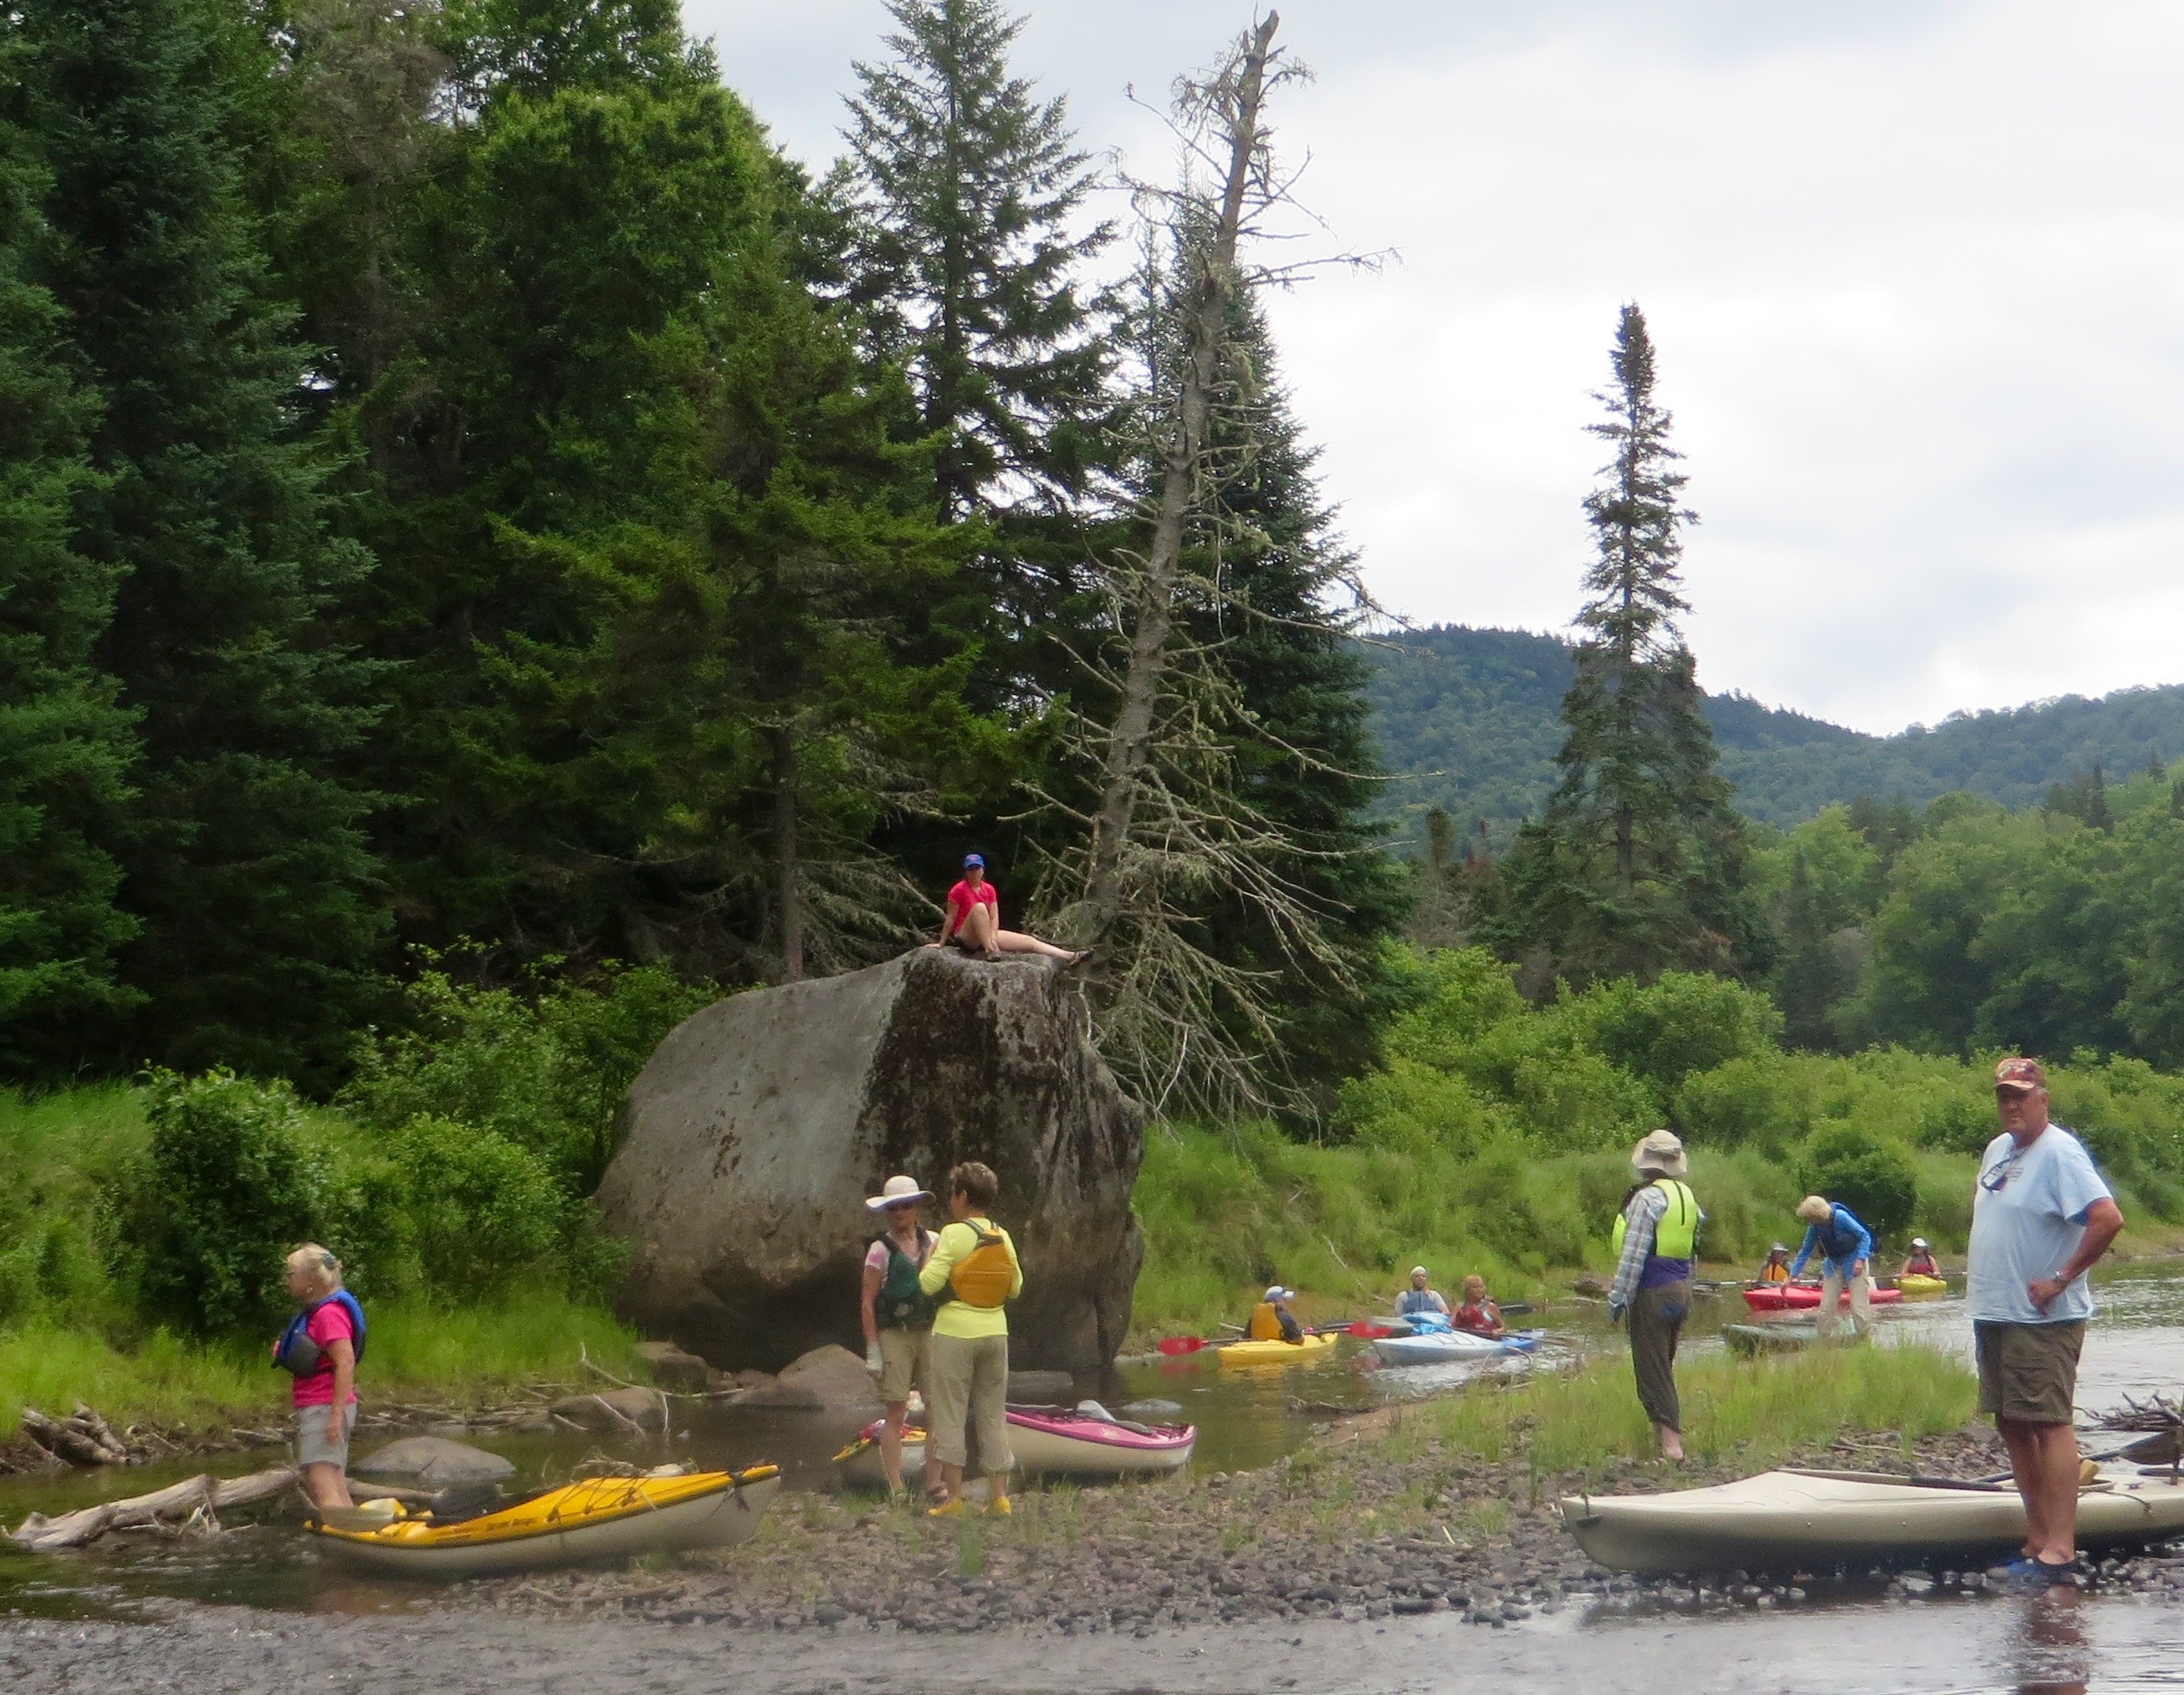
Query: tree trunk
785, 855
1209, 285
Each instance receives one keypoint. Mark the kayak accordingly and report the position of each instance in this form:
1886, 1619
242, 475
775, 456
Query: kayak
1769, 1339
598, 1519
1275, 1353
1045, 1442
1437, 1347
1791, 1297
1783, 1519
1915, 1287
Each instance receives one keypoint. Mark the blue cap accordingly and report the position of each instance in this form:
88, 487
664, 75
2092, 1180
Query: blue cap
970, 860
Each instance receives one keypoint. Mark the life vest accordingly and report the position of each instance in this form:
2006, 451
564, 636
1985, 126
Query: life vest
1774, 1271
984, 1277
1677, 1236
1265, 1323
298, 1355
901, 1305
1477, 1321
1920, 1266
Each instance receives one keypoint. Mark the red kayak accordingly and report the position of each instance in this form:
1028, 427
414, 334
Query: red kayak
1791, 1297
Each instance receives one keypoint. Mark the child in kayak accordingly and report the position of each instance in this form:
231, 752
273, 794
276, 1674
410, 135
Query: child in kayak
1777, 1268
1477, 1314
1920, 1261
1273, 1322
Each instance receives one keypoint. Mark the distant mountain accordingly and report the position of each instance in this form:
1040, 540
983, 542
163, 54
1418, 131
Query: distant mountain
1469, 720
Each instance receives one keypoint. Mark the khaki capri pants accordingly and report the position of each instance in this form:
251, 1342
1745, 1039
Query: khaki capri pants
969, 1390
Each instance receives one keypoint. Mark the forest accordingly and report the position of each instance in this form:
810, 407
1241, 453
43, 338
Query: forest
494, 555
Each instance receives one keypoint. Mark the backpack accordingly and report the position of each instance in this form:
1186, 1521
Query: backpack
297, 1354
984, 1277
901, 1305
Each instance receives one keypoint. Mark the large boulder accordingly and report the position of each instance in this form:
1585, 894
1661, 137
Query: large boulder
753, 1136
434, 1459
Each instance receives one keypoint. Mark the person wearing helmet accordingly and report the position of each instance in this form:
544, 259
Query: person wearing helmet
1273, 1322
973, 920
1777, 1268
1920, 1261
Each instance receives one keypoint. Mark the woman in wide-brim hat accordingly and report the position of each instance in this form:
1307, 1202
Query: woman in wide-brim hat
898, 1314
1656, 1248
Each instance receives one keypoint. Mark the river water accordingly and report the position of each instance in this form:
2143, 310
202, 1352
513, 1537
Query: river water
91, 1620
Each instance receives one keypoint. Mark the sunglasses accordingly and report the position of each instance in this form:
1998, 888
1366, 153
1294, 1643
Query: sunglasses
1995, 1180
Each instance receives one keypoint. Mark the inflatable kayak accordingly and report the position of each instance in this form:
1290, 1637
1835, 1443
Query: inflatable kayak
1439, 1347
1045, 1442
1781, 1520
1314, 1346
1915, 1287
1794, 1297
599, 1519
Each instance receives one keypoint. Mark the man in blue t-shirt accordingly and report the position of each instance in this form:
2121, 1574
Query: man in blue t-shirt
2041, 1218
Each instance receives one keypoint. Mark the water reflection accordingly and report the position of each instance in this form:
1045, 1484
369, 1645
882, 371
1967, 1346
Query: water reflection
2052, 1652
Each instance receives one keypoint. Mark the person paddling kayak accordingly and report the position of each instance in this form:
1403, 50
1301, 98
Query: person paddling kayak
973, 921
1920, 1261
1477, 1314
1420, 1301
1272, 1321
1777, 1268
1656, 1243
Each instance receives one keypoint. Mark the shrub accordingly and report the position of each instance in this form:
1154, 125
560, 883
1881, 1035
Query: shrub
483, 1212
1869, 1174
1751, 1101
545, 1071
1686, 1021
1413, 1108
224, 1192
1470, 992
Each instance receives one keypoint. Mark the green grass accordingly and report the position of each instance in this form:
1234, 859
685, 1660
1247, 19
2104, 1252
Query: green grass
467, 1356
1758, 1410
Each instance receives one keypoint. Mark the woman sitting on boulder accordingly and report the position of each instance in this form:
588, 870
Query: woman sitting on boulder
898, 1314
973, 923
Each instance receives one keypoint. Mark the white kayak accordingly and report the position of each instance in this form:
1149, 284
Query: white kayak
1439, 1348
1816, 1519
1045, 1441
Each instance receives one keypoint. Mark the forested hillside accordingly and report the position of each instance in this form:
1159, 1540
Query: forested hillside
1468, 720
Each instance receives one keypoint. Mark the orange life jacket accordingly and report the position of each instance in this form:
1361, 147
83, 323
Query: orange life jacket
984, 1277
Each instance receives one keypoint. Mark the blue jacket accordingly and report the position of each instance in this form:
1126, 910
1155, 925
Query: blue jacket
1839, 1241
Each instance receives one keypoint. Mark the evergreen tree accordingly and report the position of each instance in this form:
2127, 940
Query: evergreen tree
244, 865
964, 192
1638, 862
1810, 979
64, 743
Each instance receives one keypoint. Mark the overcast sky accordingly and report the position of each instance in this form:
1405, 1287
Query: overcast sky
1915, 270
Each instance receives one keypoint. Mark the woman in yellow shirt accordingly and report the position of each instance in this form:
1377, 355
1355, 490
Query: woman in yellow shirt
975, 1261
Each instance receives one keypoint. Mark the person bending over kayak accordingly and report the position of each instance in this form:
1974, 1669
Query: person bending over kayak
975, 1263
898, 1314
1656, 1243
1846, 1248
1920, 1261
973, 923
1777, 1268
1477, 1314
320, 1349
1272, 1321
1417, 1301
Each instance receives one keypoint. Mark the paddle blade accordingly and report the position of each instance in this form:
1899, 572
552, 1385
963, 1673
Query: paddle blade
1366, 1329
1181, 1344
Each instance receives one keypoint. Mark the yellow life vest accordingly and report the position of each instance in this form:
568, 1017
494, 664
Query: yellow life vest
1774, 1271
1265, 1323
1677, 1236
984, 1277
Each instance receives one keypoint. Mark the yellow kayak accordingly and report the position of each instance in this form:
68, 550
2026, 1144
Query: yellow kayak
1918, 1286
598, 1519
1275, 1353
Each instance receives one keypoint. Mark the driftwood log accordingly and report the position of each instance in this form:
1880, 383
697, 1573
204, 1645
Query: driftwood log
83, 1439
198, 1499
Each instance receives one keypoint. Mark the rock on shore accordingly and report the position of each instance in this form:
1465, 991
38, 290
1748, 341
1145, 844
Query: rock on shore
759, 1126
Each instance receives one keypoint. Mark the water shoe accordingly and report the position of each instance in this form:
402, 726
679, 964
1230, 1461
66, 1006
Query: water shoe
946, 1509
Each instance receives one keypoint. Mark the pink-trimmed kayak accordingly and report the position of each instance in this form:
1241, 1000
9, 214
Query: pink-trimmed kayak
1793, 1297
1049, 1441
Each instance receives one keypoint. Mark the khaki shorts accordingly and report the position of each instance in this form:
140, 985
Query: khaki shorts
2029, 1372
905, 1361
312, 1448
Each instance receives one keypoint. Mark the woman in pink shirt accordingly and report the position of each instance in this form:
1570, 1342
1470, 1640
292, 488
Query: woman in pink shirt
321, 1345
973, 923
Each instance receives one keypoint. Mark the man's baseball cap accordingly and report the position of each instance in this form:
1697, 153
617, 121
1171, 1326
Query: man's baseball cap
2020, 1075
970, 860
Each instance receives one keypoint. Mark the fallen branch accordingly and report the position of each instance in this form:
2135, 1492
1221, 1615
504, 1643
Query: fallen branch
193, 1497
80, 1441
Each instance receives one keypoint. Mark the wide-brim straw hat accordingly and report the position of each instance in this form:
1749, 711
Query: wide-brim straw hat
895, 1192
1663, 1151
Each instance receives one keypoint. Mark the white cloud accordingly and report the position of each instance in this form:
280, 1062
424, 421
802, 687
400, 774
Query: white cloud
1916, 271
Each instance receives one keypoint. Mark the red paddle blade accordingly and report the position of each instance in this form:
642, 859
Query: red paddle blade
1181, 1344
1368, 1329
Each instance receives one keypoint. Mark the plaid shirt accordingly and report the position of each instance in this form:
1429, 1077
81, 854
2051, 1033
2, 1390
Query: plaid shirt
1641, 1218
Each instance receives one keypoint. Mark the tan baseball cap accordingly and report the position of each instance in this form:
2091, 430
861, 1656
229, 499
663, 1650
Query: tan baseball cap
2020, 1073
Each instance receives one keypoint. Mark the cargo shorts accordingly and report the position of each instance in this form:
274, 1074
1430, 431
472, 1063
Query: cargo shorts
2029, 1372
905, 1362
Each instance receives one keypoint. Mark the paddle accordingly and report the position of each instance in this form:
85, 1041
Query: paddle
1182, 1343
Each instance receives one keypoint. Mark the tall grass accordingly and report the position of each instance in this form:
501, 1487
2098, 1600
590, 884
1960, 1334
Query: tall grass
1759, 1411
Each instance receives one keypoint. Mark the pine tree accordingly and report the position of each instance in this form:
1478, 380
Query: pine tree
965, 192
65, 746
244, 865
1810, 979
1636, 863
